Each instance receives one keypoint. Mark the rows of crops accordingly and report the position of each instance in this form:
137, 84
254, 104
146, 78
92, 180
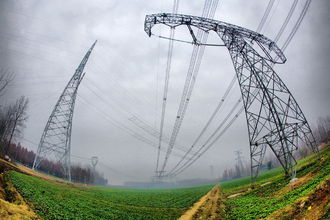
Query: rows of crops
55, 201
62, 201
231, 186
265, 200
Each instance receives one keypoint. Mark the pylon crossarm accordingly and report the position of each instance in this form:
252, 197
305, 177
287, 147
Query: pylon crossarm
269, 49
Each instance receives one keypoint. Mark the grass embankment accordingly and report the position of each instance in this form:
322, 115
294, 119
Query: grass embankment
279, 197
12, 204
57, 201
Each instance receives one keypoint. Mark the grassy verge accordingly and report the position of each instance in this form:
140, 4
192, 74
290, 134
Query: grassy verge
262, 201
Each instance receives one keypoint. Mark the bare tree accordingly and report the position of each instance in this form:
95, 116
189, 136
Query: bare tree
5, 115
5, 78
322, 130
17, 118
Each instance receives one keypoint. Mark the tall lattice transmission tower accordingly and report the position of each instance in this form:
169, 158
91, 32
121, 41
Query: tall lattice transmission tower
274, 118
55, 143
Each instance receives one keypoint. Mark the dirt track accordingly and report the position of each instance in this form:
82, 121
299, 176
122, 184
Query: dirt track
209, 207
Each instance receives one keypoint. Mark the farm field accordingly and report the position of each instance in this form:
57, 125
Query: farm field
272, 197
58, 201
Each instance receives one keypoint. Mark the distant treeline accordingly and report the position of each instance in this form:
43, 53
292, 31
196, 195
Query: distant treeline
321, 133
13, 117
78, 173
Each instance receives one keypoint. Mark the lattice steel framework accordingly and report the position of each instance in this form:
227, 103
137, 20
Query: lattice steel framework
274, 118
55, 143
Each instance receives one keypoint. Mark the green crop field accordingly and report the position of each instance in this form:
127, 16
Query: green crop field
263, 201
230, 187
55, 201
52, 200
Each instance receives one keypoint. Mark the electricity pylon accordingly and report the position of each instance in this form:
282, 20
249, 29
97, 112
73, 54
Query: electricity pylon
273, 116
94, 161
239, 163
55, 143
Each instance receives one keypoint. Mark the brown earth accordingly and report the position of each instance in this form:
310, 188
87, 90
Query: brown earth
209, 207
295, 184
12, 204
310, 207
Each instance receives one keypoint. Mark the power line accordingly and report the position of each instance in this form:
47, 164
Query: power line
265, 15
271, 15
120, 125
287, 19
195, 61
87, 158
224, 97
167, 78
206, 144
296, 26
270, 5
147, 128
210, 145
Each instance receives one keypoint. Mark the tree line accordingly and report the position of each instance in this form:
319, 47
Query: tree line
321, 133
13, 117
78, 173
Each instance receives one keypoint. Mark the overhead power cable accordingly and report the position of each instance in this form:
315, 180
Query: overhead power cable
296, 26
195, 61
218, 107
205, 145
87, 159
287, 19
153, 132
122, 106
265, 16
212, 143
167, 78
271, 15
120, 125
199, 153
116, 171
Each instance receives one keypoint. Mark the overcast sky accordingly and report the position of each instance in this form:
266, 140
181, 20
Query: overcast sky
43, 42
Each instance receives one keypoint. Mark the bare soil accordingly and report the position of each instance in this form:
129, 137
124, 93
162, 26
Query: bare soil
209, 207
12, 204
295, 184
310, 207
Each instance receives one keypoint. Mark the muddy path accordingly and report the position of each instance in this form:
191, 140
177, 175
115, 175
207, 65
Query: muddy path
209, 207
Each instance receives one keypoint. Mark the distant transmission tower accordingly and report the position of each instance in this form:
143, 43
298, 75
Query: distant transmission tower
94, 161
273, 116
55, 143
239, 162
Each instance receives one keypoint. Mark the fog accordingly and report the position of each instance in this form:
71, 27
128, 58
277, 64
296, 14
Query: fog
43, 42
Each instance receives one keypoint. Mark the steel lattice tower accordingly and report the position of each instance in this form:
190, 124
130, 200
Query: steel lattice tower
55, 143
274, 118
